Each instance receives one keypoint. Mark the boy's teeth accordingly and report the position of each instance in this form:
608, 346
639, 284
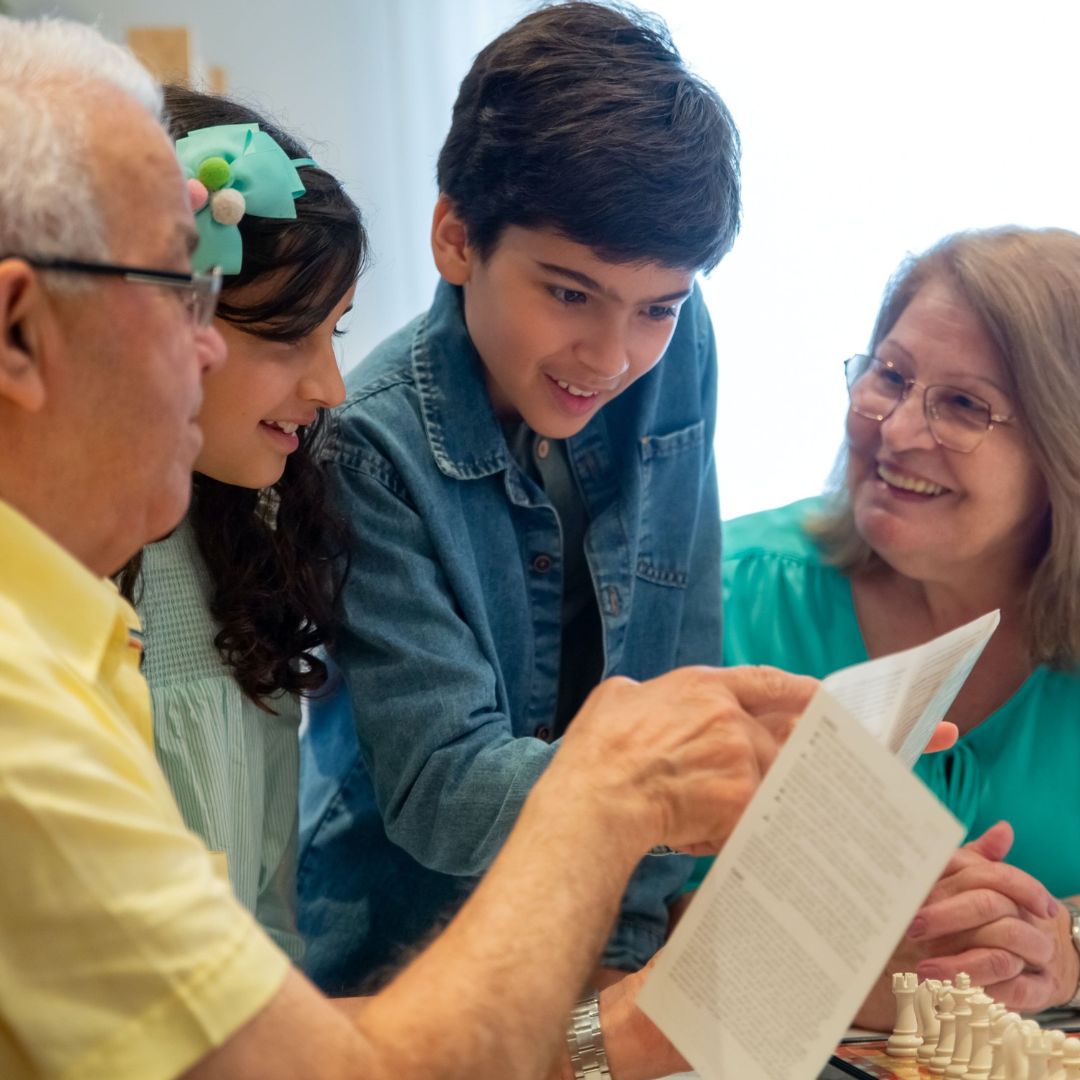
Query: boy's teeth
907, 483
281, 425
576, 391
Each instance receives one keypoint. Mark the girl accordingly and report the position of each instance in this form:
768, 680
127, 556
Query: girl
235, 602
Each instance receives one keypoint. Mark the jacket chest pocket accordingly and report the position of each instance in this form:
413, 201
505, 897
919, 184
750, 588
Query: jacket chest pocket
671, 478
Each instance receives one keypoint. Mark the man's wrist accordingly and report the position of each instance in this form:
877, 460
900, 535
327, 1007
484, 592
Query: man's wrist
585, 1040
608, 818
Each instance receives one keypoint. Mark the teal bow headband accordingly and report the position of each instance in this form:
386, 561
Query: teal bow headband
235, 169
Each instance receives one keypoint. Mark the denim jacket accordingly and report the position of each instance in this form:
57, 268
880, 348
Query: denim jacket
451, 645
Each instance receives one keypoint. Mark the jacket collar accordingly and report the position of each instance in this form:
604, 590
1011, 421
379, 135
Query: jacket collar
465, 436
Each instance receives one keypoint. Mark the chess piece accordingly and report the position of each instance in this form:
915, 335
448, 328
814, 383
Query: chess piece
1055, 1067
979, 1028
1070, 1058
1013, 1059
962, 997
926, 1011
1037, 1046
1001, 1020
905, 1040
946, 1036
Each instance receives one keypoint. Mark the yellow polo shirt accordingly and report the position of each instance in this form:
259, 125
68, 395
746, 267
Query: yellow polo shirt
122, 953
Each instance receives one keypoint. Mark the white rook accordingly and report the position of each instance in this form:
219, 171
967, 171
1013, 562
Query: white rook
905, 1039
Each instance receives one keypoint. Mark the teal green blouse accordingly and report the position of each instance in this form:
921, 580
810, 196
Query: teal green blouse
783, 606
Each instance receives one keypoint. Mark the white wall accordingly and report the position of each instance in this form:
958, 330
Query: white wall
870, 129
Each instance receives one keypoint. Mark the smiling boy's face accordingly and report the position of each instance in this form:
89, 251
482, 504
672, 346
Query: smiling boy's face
560, 331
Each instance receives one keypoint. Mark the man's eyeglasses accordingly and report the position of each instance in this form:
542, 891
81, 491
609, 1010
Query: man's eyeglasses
200, 289
957, 420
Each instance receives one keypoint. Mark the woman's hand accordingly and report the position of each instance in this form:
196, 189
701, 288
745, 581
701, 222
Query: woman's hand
998, 924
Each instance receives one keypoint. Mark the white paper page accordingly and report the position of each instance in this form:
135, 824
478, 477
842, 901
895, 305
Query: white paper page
803, 906
900, 699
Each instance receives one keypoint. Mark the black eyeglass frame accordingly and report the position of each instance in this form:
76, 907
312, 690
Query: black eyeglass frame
928, 409
204, 286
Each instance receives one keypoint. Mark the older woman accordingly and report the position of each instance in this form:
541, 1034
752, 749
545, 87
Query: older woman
961, 493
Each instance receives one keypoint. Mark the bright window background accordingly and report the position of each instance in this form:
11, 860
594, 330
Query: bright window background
869, 130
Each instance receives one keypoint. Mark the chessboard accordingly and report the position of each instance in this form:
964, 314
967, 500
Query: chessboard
868, 1059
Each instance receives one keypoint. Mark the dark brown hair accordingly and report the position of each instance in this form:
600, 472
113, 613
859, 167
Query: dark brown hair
276, 557
583, 118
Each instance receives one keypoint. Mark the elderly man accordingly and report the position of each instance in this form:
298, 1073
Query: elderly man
122, 954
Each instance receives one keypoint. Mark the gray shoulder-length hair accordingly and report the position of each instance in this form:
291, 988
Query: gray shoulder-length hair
1024, 285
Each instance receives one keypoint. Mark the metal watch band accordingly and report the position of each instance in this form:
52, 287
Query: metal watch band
1074, 916
585, 1039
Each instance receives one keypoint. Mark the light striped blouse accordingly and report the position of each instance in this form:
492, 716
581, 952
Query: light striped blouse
233, 768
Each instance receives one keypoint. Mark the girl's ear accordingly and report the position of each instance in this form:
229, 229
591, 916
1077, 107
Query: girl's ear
22, 303
450, 243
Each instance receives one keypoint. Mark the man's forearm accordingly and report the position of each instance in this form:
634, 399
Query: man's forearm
636, 1048
490, 995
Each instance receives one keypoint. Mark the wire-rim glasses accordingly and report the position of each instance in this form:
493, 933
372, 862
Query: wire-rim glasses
957, 419
201, 289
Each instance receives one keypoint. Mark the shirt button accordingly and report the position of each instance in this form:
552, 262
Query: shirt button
543, 448
544, 734
542, 564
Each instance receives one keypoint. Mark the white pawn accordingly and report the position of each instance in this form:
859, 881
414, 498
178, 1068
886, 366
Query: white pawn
1037, 1046
1070, 1058
905, 1039
1055, 1067
962, 1050
981, 1051
929, 1026
946, 1036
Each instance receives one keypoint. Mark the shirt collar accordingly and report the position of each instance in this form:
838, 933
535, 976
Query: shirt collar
465, 437
76, 613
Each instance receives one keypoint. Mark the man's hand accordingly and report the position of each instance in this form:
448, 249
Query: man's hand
676, 759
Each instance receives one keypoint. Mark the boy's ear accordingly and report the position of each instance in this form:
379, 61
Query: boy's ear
22, 382
450, 243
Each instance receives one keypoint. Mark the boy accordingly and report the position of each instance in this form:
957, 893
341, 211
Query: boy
531, 489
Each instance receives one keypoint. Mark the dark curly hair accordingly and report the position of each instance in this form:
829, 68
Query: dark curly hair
276, 557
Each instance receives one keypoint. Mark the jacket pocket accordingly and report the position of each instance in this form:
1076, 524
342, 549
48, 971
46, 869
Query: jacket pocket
671, 468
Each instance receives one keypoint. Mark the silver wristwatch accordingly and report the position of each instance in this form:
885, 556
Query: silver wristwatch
1074, 916
585, 1039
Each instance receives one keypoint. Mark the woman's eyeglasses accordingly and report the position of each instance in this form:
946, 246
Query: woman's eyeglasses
957, 420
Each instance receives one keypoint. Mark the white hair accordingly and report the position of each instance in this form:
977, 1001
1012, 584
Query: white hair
49, 72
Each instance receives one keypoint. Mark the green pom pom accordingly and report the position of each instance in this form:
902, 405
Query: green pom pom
214, 172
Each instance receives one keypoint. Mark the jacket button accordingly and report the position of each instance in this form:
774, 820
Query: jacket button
544, 734
543, 448
542, 564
